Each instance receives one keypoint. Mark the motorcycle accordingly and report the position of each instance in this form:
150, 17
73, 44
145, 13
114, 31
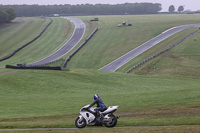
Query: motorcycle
88, 117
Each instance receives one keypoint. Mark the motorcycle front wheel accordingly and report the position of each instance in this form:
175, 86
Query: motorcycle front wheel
112, 121
80, 123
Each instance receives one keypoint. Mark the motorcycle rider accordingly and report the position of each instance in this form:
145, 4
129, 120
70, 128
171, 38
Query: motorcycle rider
100, 105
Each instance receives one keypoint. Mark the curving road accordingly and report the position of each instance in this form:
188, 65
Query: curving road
116, 64
79, 31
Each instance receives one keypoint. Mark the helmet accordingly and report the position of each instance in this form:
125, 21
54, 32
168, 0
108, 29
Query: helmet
96, 96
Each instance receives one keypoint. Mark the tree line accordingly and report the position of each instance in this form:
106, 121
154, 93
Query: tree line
7, 14
87, 9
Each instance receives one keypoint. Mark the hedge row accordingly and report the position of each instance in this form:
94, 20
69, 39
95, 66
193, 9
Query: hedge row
139, 64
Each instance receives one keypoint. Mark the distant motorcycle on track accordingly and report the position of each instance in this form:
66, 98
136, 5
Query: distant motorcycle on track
88, 117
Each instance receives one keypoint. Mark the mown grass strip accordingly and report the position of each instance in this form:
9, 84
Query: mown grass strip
181, 61
16, 35
23, 46
55, 36
37, 99
112, 42
154, 56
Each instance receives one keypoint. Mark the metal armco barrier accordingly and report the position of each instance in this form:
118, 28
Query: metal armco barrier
17, 50
68, 59
139, 64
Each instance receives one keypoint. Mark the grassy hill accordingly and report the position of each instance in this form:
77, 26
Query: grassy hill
31, 98
51, 40
14, 36
111, 42
183, 60
167, 95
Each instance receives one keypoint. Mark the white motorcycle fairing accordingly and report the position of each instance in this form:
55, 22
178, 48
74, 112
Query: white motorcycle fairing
111, 109
88, 116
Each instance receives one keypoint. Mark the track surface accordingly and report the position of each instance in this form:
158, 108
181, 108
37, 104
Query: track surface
79, 31
32, 129
94, 127
87, 128
116, 64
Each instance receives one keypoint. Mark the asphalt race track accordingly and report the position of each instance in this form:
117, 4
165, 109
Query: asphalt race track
116, 64
79, 31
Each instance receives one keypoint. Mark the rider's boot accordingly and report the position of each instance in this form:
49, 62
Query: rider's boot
101, 116
97, 115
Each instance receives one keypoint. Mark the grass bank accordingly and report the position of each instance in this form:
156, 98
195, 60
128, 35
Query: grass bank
165, 129
16, 35
110, 42
148, 97
183, 60
33, 98
52, 39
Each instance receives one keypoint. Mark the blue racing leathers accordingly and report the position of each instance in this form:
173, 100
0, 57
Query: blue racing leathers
100, 105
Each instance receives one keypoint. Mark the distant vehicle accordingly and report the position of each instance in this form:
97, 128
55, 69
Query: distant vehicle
56, 15
95, 19
87, 117
124, 24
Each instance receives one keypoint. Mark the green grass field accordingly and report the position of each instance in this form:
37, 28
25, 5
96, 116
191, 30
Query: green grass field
110, 42
167, 96
52, 39
183, 60
16, 35
166, 129
32, 98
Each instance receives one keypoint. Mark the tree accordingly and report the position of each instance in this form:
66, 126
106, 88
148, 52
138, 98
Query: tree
6, 15
180, 9
171, 9
3, 16
11, 13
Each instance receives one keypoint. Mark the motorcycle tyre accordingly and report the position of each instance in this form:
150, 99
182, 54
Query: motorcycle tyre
114, 121
77, 125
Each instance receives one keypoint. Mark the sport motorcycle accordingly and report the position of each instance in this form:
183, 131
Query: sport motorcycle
88, 117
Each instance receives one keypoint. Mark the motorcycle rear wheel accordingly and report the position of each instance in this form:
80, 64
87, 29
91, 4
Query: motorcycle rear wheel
113, 121
80, 123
